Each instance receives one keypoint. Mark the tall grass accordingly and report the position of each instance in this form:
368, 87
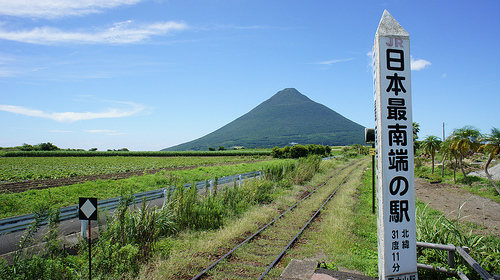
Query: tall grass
435, 227
52, 264
129, 238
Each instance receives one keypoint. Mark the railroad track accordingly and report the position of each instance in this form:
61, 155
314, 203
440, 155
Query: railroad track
260, 252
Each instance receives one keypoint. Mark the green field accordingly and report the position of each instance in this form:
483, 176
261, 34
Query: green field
13, 204
13, 169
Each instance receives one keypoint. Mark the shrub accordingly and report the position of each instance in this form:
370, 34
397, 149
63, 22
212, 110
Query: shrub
129, 238
298, 151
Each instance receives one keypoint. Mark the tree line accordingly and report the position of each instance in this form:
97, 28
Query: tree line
462, 143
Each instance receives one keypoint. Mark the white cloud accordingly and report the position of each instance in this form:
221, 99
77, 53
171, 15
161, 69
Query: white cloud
419, 64
75, 116
120, 33
330, 62
58, 8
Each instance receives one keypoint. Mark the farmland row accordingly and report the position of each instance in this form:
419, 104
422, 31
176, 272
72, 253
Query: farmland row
16, 169
18, 203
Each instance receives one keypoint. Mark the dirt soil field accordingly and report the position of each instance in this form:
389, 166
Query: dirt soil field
449, 198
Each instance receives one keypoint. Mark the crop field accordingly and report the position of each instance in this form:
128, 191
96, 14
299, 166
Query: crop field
13, 204
16, 169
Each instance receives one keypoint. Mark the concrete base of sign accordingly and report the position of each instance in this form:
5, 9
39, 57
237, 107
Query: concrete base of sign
306, 270
299, 270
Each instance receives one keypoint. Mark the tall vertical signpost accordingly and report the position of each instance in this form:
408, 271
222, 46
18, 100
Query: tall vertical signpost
394, 141
87, 210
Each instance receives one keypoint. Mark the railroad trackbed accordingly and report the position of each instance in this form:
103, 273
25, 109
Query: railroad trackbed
260, 252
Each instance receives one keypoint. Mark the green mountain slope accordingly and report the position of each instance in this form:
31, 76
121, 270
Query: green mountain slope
288, 116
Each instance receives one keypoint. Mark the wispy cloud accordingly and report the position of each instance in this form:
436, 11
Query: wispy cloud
58, 8
330, 62
133, 109
419, 64
126, 32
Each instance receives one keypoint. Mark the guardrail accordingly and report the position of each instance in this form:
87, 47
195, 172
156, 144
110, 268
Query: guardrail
20, 223
463, 252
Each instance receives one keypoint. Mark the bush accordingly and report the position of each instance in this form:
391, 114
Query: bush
129, 237
298, 151
434, 227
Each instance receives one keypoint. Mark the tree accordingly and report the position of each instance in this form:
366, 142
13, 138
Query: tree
431, 144
298, 151
26, 147
492, 145
416, 130
464, 140
448, 153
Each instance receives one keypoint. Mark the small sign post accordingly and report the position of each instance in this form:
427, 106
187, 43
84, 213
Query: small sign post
87, 210
370, 139
397, 256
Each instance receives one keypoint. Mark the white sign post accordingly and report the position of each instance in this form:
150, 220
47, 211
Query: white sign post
87, 210
394, 141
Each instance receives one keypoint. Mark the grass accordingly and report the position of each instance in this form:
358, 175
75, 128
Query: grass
13, 204
436, 227
346, 233
479, 186
132, 237
15, 169
190, 252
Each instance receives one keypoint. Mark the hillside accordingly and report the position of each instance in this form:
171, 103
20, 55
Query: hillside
286, 117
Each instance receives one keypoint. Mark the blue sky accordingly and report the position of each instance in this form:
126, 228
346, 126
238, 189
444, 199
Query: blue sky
150, 74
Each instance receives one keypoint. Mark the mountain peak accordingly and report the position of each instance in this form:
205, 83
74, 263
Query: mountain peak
287, 96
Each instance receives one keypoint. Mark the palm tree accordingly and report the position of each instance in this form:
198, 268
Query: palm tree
464, 140
491, 144
416, 130
431, 145
448, 154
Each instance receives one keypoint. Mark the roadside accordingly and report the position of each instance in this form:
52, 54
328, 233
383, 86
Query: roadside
459, 204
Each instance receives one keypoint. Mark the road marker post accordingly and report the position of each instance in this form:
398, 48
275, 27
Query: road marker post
87, 210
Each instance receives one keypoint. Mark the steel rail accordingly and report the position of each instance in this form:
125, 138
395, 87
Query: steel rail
302, 229
267, 225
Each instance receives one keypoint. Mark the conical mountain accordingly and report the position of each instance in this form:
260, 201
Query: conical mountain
287, 117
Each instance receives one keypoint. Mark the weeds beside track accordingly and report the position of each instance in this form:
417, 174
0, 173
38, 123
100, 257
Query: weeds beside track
265, 247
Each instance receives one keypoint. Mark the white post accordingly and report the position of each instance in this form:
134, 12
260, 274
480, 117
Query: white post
239, 181
394, 141
84, 224
165, 196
